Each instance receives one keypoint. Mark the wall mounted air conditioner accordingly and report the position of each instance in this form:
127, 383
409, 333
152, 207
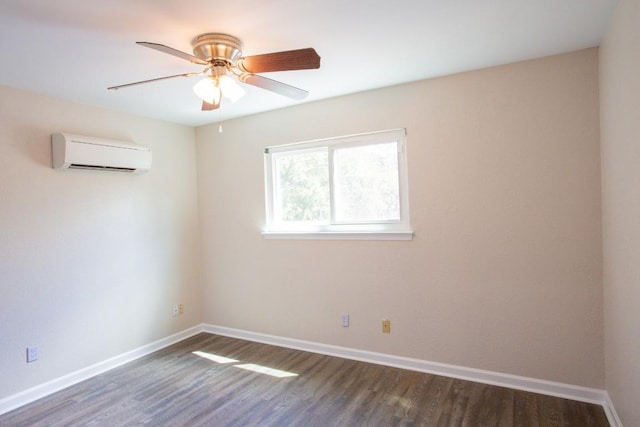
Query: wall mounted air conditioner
87, 152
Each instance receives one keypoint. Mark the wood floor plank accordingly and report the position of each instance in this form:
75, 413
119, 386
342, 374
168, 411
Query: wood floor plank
176, 387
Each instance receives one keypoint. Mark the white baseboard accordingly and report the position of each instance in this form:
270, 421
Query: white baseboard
551, 388
610, 410
567, 391
27, 396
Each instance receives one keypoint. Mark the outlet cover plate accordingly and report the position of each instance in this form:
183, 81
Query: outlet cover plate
345, 320
386, 326
33, 353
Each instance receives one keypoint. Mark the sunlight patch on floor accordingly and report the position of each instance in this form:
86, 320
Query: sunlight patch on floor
247, 366
214, 357
268, 371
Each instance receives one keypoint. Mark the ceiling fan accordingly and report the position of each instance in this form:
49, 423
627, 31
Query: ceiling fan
220, 54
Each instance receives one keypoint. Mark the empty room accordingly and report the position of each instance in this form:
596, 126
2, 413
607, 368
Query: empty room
281, 213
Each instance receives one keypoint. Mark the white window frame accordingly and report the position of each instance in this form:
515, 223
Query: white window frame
372, 230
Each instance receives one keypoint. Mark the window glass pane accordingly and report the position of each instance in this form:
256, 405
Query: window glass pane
302, 186
366, 183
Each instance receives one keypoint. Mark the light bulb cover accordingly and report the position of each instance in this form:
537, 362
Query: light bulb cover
208, 90
230, 88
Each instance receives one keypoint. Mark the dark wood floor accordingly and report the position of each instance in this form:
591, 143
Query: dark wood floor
175, 387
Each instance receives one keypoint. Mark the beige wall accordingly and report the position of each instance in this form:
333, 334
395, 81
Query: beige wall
620, 118
90, 262
505, 270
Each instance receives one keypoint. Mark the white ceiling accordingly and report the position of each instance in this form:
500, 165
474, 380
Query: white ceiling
75, 49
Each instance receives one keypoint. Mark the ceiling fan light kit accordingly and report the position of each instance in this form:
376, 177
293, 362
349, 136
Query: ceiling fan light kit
217, 85
221, 55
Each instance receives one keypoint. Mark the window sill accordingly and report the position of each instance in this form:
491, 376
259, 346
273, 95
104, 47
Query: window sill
338, 235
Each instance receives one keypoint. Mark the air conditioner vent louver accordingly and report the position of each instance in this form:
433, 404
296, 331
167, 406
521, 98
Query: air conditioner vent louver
105, 168
90, 153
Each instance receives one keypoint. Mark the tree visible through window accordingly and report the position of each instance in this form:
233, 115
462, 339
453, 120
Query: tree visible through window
302, 186
348, 184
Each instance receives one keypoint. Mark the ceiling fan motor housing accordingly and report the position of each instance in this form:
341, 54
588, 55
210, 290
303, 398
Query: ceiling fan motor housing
213, 47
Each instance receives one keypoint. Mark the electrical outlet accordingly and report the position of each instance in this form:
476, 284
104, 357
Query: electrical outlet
175, 310
386, 326
180, 308
345, 320
33, 353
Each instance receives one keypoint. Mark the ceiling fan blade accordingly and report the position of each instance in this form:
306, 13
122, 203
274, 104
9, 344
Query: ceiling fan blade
273, 86
300, 59
174, 52
208, 107
153, 80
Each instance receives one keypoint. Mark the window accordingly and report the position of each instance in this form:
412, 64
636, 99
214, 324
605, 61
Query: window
353, 186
